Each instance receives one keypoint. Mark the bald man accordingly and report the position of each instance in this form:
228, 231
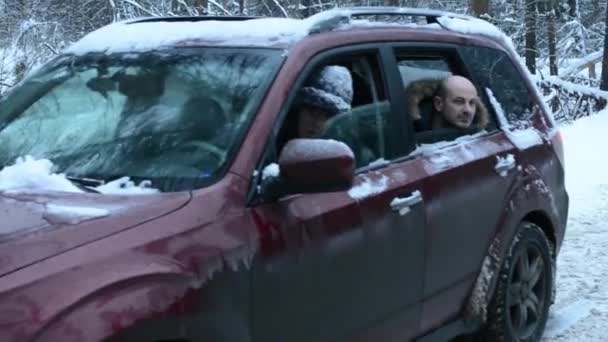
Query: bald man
457, 105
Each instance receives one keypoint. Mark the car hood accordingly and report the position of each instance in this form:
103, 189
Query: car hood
35, 226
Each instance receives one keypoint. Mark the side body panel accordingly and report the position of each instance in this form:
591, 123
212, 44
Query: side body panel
185, 273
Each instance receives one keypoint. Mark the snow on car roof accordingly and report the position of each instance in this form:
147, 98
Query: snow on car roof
475, 26
129, 36
154, 33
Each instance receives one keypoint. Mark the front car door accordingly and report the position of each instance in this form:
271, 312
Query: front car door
346, 265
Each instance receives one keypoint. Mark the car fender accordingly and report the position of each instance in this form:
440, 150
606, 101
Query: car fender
104, 299
129, 283
529, 197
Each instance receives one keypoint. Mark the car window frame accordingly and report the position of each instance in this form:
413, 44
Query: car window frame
383, 57
452, 54
524, 82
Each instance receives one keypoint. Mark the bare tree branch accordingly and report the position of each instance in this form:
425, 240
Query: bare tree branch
51, 48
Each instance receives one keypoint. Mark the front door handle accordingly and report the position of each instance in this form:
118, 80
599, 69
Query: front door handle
403, 204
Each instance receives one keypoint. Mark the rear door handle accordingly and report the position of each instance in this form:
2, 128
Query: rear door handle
504, 165
403, 204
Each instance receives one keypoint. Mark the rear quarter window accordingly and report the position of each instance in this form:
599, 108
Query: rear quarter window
494, 70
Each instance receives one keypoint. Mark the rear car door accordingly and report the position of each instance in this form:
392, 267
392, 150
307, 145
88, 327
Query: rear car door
468, 178
346, 265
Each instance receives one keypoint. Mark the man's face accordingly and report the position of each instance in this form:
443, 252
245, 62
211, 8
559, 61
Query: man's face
459, 104
310, 122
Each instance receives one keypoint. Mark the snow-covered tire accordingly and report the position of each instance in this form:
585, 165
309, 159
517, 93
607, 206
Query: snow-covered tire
519, 309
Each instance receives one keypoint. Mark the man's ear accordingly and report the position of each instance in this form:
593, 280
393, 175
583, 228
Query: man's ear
438, 103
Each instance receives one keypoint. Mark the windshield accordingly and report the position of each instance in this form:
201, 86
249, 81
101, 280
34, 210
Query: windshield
173, 118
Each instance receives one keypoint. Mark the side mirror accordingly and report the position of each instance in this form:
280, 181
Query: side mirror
310, 166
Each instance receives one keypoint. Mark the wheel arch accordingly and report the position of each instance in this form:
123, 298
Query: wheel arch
542, 220
129, 300
484, 286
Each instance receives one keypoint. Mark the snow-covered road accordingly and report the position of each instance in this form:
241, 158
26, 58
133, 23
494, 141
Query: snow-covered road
581, 310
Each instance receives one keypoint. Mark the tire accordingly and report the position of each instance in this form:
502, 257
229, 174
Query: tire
519, 309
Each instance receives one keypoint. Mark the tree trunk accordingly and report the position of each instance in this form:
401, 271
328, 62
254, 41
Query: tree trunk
551, 35
480, 7
604, 83
306, 10
201, 5
573, 8
530, 21
595, 15
592, 74
393, 3
241, 7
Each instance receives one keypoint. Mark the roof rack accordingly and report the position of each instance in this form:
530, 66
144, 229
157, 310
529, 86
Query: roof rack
344, 15
191, 19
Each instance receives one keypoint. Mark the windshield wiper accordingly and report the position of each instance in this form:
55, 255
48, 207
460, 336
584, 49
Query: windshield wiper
86, 184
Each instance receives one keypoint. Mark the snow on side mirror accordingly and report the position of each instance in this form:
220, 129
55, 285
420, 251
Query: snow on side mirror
317, 165
309, 166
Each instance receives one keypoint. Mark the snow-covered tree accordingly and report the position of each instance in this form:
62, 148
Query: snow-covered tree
604, 83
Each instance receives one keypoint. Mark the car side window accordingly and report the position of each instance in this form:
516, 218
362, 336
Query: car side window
420, 77
343, 99
440, 105
495, 71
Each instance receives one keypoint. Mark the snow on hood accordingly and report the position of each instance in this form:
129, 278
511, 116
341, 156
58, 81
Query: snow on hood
29, 174
72, 214
128, 36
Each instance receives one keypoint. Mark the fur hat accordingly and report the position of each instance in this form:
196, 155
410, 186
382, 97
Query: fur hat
330, 90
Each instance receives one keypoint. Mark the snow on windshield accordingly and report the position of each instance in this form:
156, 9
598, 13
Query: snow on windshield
140, 115
128, 36
30, 174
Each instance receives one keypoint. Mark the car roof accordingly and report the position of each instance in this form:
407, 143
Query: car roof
161, 32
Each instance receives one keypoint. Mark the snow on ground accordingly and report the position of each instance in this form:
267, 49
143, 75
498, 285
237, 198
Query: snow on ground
581, 309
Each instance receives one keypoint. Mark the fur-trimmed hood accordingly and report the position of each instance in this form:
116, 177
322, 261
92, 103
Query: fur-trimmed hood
425, 89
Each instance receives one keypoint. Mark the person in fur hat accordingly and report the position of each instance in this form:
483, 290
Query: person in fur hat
455, 104
328, 93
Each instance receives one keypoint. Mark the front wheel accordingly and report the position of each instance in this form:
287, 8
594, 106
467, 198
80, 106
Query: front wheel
519, 308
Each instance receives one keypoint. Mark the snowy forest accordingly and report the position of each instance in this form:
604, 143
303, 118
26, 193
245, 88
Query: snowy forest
561, 41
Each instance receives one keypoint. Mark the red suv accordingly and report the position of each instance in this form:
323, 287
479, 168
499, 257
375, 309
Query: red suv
160, 183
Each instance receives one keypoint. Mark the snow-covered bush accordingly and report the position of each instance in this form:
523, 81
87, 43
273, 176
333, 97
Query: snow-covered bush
570, 101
